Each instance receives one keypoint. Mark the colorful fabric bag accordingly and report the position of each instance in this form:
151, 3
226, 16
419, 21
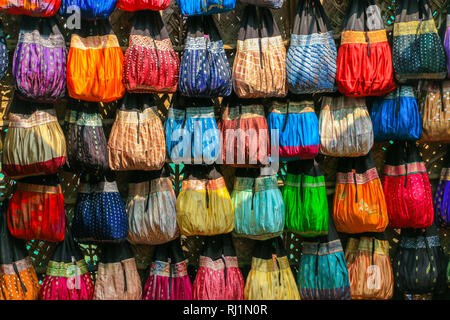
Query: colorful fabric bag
39, 63
359, 202
151, 65
364, 62
204, 68
86, 142
117, 275
152, 217
4, 53
259, 68
36, 209
204, 7
204, 205
67, 276
95, 63
322, 270
137, 5
272, 4
18, 280
442, 194
311, 58
258, 204
435, 111
89, 9
420, 264
35, 8
168, 277
294, 128
369, 267
407, 187
99, 214
305, 198
34, 143
345, 127
396, 116
245, 134
219, 276
270, 276
418, 52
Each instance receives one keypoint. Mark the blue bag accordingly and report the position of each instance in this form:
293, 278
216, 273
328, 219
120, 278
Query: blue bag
89, 9
205, 7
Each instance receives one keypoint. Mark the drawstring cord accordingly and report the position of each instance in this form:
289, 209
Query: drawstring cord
356, 187
301, 188
224, 270
239, 118
428, 250
138, 125
398, 103
124, 277
373, 248
253, 191
276, 266
316, 267
207, 194
368, 44
406, 174
286, 119
77, 284
157, 55
170, 277
18, 276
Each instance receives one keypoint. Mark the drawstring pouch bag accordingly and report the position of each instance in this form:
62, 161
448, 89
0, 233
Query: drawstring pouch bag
152, 217
89, 9
218, 276
345, 127
270, 276
418, 52
420, 264
204, 68
396, 116
168, 277
67, 276
435, 111
272, 4
35, 8
305, 199
138, 5
151, 65
99, 214
359, 201
407, 187
137, 141
364, 62
36, 209
117, 275
34, 142
369, 267
204, 206
259, 68
245, 134
442, 194
18, 280
86, 142
322, 270
258, 204
192, 134
311, 58
294, 128
95, 63
204, 7
39, 63
4, 53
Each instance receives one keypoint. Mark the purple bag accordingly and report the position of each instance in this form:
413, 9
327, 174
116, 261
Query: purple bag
442, 194
39, 64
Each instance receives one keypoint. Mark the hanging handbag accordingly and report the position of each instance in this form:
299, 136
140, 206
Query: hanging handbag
138, 5
18, 280
204, 7
418, 52
218, 276
35, 8
151, 65
442, 194
88, 9
407, 187
4, 53
204, 68
311, 58
95, 63
39, 63
259, 68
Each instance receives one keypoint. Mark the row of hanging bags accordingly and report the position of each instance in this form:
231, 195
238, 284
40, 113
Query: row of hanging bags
168, 277
35, 8
364, 61
418, 52
151, 65
138, 5
88, 9
18, 279
259, 68
442, 193
407, 187
311, 58
204, 7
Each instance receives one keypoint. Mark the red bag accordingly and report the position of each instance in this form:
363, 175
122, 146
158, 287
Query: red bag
364, 62
151, 65
407, 188
137, 5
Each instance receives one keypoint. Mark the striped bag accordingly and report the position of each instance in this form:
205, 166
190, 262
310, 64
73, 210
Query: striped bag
311, 58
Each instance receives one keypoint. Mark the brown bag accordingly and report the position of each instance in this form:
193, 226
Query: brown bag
435, 111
